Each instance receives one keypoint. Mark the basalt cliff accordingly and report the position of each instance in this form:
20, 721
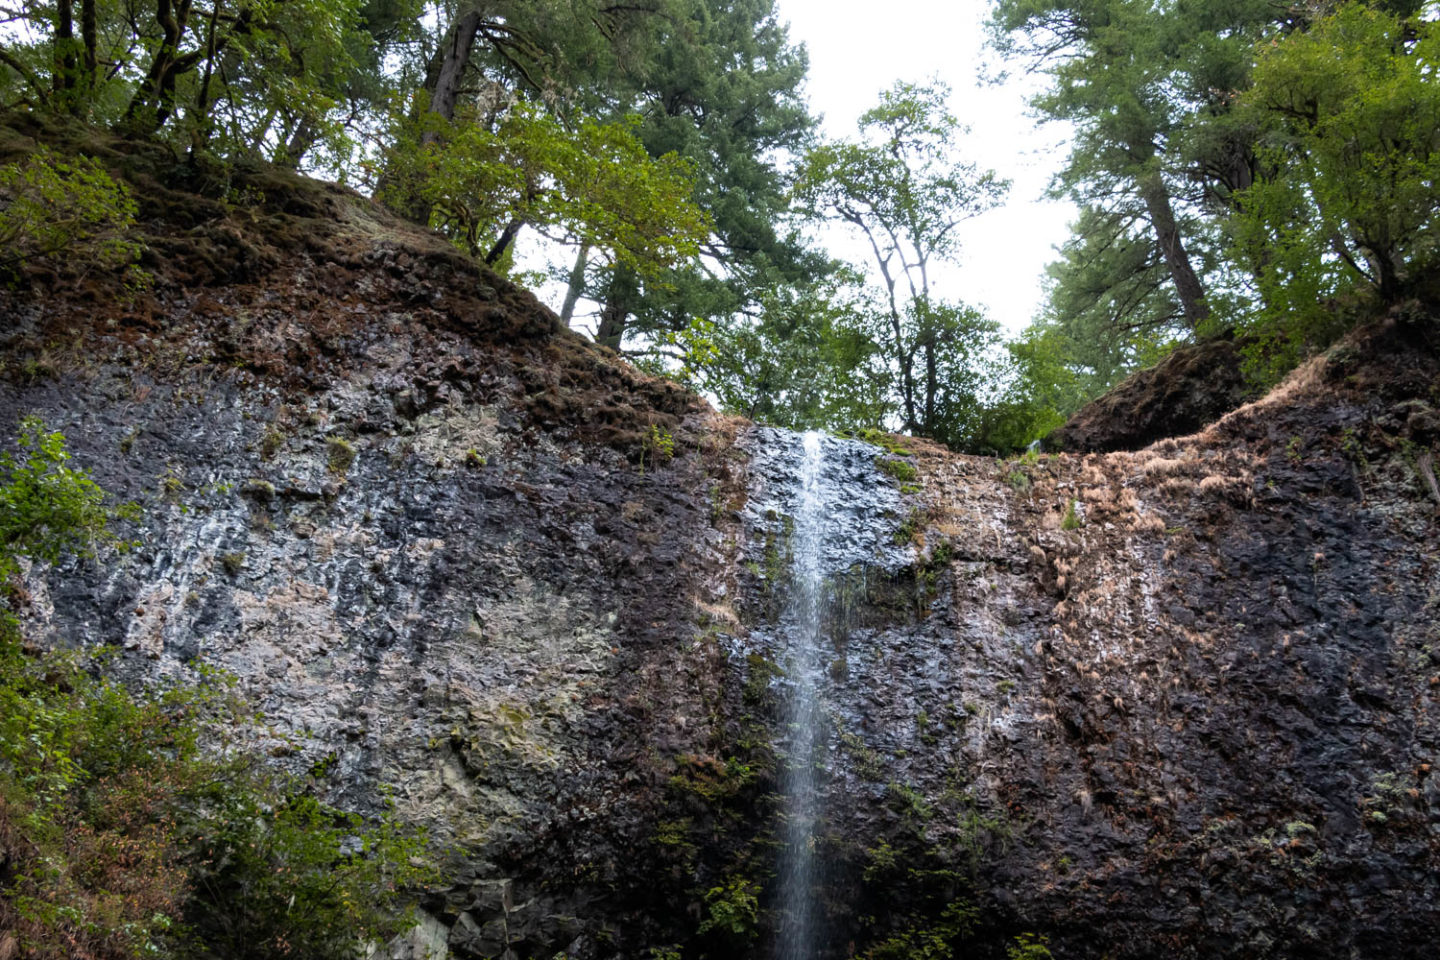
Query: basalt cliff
1182, 701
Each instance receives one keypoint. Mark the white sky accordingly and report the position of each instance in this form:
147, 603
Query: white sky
859, 48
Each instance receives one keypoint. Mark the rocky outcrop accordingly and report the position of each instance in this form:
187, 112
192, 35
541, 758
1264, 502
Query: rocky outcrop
1189, 389
1176, 702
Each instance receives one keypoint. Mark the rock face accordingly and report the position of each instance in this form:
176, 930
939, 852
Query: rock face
1192, 387
1178, 702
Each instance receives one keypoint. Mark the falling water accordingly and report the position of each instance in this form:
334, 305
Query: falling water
837, 515
805, 719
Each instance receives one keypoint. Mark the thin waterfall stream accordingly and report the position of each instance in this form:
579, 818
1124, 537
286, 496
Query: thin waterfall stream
805, 716
820, 515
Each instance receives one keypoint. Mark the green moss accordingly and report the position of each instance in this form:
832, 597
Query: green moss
760, 672
232, 563
710, 779
888, 442
272, 441
673, 833
901, 470
910, 528
339, 455
257, 489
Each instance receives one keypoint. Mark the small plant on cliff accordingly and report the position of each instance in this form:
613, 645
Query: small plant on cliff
51, 206
658, 445
47, 508
1028, 946
339, 455
732, 910
1071, 520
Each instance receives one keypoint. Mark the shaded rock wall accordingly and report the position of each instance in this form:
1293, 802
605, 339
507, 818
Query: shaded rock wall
1189, 389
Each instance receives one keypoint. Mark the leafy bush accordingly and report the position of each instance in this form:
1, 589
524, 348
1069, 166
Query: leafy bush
47, 509
50, 205
128, 826
1028, 946
733, 910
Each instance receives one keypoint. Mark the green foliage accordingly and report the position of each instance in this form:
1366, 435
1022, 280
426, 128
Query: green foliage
282, 874
1071, 520
593, 185
719, 84
810, 359
1349, 197
47, 508
901, 470
339, 455
934, 941
658, 445
1110, 308
131, 826
733, 910
923, 874
901, 187
885, 441
1028, 946
50, 206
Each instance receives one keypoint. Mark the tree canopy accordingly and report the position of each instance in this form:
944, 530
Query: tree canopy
1238, 165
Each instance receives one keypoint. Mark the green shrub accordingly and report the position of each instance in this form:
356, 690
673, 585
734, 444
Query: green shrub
733, 910
339, 455
126, 831
50, 205
1028, 946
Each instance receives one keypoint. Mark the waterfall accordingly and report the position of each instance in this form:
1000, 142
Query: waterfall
820, 503
805, 718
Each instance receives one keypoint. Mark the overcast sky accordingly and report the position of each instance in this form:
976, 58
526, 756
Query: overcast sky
859, 48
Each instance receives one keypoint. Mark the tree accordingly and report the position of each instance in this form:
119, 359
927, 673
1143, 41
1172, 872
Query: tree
1110, 302
594, 185
1149, 89
810, 359
1351, 196
901, 188
268, 78
719, 85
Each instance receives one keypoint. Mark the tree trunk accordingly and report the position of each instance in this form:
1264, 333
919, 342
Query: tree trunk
302, 139
454, 56
616, 311
577, 285
200, 135
159, 83
90, 37
502, 243
442, 88
65, 66
1167, 237
1387, 277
